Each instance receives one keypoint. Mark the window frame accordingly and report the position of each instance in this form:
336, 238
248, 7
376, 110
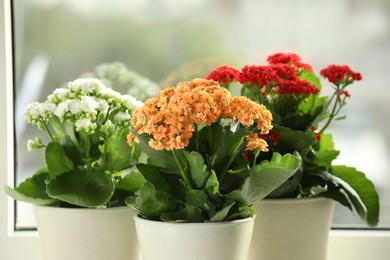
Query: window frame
343, 244
13, 244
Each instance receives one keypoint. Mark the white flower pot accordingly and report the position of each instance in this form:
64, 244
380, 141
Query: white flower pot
86, 234
291, 229
194, 241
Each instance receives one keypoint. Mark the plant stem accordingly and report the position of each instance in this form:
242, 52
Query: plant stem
255, 158
333, 113
182, 172
231, 159
210, 140
87, 144
47, 130
196, 136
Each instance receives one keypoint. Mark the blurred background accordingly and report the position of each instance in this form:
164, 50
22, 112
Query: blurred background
147, 45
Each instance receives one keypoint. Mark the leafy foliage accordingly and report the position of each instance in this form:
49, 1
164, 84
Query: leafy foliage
290, 90
217, 187
319, 177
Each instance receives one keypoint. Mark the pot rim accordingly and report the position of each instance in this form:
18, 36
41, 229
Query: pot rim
52, 208
137, 218
293, 200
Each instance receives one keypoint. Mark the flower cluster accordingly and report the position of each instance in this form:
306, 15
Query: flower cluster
280, 76
170, 118
289, 88
87, 157
83, 103
224, 74
338, 74
289, 58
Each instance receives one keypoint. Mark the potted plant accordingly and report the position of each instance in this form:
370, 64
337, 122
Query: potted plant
88, 173
196, 201
290, 89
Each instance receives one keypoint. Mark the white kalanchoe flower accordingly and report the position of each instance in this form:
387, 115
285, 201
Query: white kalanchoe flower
33, 145
123, 117
59, 95
130, 102
32, 112
39, 111
88, 105
110, 95
73, 105
46, 110
85, 124
62, 110
108, 128
86, 86
103, 105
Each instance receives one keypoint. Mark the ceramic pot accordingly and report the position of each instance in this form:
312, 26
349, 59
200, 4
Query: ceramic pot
85, 234
291, 229
194, 241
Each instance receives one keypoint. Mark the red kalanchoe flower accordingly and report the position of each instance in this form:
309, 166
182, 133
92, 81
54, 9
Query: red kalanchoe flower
288, 58
281, 57
317, 134
224, 74
297, 87
274, 136
343, 93
247, 154
337, 73
257, 75
284, 71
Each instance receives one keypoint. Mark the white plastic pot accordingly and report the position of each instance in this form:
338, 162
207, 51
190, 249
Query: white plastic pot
291, 229
194, 241
85, 234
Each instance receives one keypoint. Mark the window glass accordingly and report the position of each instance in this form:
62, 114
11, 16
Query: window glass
170, 41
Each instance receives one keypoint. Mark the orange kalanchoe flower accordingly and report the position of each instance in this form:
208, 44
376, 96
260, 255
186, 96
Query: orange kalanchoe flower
170, 117
246, 111
255, 142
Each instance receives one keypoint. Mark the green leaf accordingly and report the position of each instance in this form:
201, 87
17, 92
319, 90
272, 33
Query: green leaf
158, 158
72, 152
241, 212
336, 196
198, 169
312, 107
82, 188
132, 182
326, 153
58, 126
293, 140
196, 198
151, 202
215, 135
265, 178
152, 175
289, 187
188, 214
118, 155
310, 77
326, 142
212, 186
223, 213
56, 159
232, 146
340, 118
33, 190
366, 200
